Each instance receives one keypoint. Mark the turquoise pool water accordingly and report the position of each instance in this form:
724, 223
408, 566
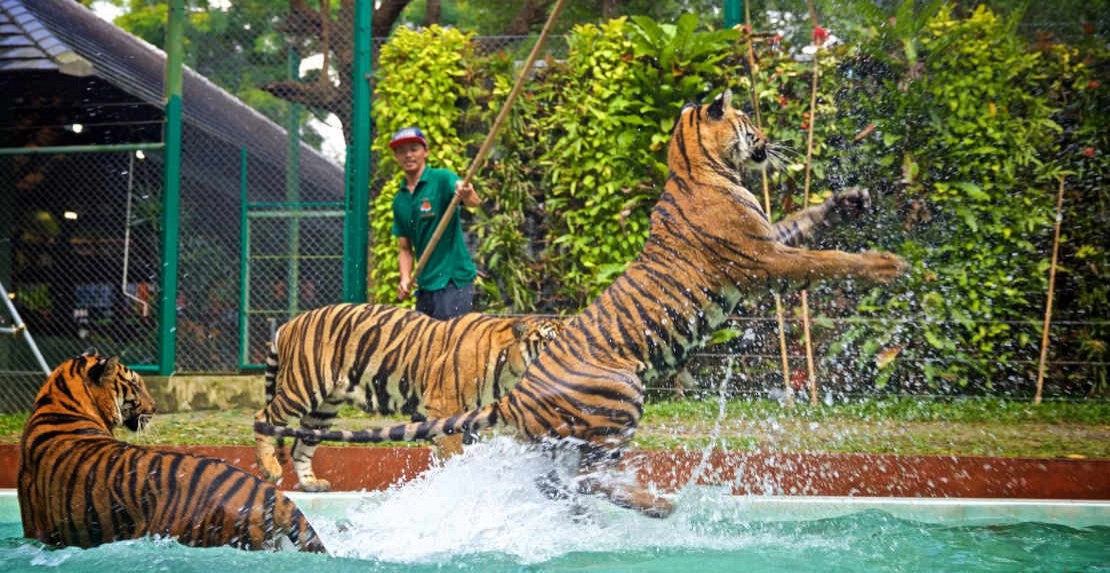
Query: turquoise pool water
481, 513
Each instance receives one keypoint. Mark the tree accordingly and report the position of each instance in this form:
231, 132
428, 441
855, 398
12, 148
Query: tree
317, 31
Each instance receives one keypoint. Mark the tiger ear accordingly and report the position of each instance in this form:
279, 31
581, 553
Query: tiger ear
104, 370
519, 329
90, 351
717, 108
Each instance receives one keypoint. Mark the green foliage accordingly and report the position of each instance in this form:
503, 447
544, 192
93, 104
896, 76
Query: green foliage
893, 409
1078, 87
969, 126
505, 227
596, 169
623, 86
420, 82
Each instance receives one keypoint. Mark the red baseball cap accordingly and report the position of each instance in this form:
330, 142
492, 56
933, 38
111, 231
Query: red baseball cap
406, 135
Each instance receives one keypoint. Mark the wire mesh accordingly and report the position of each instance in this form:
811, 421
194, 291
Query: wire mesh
294, 256
260, 237
85, 260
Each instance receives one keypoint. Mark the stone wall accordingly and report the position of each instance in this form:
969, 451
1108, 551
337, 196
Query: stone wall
185, 393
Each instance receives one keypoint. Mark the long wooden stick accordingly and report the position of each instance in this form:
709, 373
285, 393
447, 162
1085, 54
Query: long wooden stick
476, 163
1051, 291
779, 313
810, 367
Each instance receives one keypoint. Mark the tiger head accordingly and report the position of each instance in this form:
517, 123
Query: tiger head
118, 393
716, 138
530, 335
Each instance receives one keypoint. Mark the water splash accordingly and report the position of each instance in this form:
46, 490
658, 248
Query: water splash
715, 433
486, 502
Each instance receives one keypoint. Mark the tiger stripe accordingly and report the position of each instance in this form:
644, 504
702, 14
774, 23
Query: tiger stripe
387, 359
709, 241
78, 485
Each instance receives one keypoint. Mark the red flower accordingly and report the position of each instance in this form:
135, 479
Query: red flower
1088, 28
782, 101
805, 125
820, 35
1093, 84
1089, 152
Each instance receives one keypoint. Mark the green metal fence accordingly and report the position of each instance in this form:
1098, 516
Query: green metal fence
262, 221
291, 261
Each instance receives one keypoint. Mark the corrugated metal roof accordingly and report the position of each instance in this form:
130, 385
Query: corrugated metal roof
26, 44
72, 39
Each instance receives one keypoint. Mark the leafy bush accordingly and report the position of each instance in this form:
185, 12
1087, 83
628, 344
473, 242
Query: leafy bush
957, 125
969, 126
421, 80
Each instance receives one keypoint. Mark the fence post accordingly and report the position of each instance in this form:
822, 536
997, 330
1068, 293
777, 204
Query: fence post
356, 224
293, 189
734, 12
244, 262
171, 188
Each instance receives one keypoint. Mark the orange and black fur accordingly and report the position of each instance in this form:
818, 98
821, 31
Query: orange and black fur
78, 485
709, 241
388, 359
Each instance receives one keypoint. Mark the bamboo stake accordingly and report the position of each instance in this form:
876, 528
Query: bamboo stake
810, 367
1051, 291
779, 313
476, 163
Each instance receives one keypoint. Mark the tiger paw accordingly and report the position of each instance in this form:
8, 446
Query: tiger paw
882, 267
268, 464
314, 485
847, 204
270, 468
631, 496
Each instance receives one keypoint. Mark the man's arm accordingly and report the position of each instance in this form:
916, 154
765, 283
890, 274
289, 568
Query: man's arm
405, 258
466, 194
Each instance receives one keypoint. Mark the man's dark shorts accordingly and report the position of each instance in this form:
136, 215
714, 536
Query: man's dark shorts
448, 302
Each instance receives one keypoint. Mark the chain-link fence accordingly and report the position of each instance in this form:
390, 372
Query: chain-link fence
268, 114
81, 229
85, 261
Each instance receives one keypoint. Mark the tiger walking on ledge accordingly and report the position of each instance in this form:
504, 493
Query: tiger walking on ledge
388, 359
709, 241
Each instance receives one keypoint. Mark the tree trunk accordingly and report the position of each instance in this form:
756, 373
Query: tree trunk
306, 27
532, 15
431, 13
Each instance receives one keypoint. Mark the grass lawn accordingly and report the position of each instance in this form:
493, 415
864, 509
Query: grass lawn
979, 427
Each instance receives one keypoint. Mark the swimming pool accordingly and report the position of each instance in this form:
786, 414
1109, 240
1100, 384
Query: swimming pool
481, 513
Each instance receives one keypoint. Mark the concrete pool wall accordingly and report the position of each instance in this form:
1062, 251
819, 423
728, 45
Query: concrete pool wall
355, 468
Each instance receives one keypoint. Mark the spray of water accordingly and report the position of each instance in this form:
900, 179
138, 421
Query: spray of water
715, 434
486, 503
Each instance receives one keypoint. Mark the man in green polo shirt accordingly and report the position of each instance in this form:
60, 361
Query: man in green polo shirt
447, 281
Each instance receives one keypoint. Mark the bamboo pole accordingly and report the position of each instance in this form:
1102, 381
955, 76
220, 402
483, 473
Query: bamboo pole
1051, 291
476, 163
817, 42
779, 313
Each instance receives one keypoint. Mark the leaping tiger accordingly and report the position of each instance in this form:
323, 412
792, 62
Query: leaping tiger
709, 240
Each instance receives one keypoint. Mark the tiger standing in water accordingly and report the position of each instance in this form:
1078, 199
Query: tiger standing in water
78, 485
709, 241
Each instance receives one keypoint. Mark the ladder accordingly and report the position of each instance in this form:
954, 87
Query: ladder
18, 328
